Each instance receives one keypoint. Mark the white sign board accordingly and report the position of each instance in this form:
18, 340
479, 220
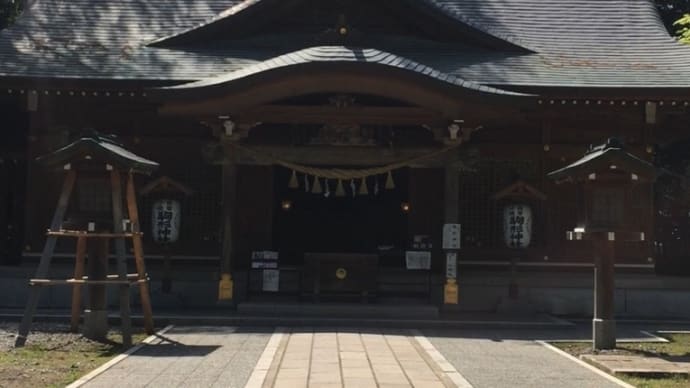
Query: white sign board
271, 280
451, 236
451, 265
418, 260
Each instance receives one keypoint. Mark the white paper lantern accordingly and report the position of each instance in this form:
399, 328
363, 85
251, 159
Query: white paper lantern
517, 225
165, 221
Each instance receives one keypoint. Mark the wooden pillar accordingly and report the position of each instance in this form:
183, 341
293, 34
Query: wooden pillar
120, 253
604, 324
452, 195
452, 216
138, 247
226, 286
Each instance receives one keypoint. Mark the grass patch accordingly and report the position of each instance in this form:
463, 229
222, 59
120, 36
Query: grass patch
677, 348
56, 359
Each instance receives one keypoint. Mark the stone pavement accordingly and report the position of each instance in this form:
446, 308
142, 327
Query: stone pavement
512, 358
190, 357
256, 358
350, 358
640, 365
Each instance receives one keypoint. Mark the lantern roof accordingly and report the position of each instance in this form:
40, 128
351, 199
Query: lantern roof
605, 158
98, 148
165, 184
520, 189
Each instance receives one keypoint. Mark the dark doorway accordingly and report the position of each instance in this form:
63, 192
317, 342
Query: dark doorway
12, 184
352, 223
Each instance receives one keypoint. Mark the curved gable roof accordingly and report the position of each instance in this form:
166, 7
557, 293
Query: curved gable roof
339, 54
257, 10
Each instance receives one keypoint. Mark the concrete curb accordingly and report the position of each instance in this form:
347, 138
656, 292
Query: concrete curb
266, 360
583, 364
94, 373
263, 321
435, 357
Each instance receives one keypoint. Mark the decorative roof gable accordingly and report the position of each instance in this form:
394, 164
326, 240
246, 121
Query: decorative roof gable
338, 22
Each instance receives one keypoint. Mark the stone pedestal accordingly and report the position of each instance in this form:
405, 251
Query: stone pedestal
96, 317
95, 324
603, 334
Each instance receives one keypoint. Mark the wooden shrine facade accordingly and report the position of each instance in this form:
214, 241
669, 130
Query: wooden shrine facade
304, 127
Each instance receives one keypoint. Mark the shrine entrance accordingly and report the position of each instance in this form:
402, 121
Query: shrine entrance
337, 179
356, 220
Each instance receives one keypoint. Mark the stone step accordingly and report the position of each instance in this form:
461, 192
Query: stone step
345, 310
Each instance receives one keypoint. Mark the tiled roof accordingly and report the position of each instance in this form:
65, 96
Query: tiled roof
576, 43
102, 149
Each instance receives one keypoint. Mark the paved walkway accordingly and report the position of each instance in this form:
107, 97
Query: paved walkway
190, 357
230, 357
502, 358
359, 359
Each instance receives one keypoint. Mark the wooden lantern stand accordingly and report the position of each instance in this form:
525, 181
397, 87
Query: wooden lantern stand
88, 154
607, 173
166, 187
517, 193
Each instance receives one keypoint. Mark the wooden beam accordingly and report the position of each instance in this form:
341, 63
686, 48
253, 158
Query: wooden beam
295, 114
337, 155
46, 256
234, 99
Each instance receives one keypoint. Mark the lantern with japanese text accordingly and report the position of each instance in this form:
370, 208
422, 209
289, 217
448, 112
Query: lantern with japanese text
166, 218
517, 225
165, 221
518, 213
166, 214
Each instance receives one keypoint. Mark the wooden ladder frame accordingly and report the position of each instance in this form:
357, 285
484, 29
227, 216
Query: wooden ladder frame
122, 279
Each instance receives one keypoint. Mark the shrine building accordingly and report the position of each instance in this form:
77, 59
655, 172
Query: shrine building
348, 150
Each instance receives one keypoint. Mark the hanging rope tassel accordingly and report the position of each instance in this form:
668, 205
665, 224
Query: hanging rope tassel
339, 190
353, 188
363, 189
306, 183
390, 184
328, 188
316, 187
376, 186
294, 184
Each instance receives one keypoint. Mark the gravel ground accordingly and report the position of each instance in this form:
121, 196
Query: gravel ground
52, 357
46, 335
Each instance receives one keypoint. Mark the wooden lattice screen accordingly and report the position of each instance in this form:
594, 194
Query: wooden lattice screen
480, 216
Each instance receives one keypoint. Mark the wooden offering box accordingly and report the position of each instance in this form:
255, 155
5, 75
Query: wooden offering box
340, 274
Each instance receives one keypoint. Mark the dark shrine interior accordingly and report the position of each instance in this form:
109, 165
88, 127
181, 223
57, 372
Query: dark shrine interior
354, 223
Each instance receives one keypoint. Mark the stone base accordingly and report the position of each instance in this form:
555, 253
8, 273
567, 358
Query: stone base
603, 334
95, 324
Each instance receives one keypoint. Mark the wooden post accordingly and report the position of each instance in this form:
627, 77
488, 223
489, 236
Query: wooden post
452, 216
120, 254
225, 288
76, 289
166, 285
139, 255
604, 324
46, 256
